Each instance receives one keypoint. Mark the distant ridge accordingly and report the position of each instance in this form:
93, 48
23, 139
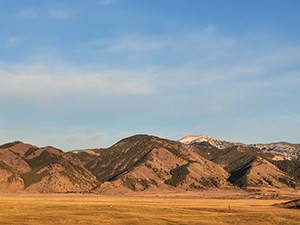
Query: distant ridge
188, 140
283, 149
148, 163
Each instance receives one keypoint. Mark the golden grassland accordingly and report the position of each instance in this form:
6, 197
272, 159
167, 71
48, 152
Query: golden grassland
93, 209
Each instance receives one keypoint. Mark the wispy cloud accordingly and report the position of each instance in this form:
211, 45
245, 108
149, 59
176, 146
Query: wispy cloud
37, 83
196, 47
204, 56
191, 58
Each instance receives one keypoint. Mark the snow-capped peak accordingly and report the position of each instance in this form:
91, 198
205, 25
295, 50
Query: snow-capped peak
188, 140
195, 138
286, 150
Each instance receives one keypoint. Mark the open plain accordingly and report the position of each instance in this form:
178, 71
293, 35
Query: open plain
96, 209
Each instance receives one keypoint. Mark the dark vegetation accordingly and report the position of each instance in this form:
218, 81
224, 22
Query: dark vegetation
30, 151
291, 167
210, 182
5, 167
33, 177
9, 145
178, 175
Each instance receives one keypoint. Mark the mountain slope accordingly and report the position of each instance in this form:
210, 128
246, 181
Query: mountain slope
247, 167
141, 162
261, 173
12, 165
290, 167
28, 168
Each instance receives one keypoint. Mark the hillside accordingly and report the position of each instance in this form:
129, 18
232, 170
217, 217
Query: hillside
250, 167
28, 168
143, 162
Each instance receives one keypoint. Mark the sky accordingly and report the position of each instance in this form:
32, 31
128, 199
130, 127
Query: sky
85, 74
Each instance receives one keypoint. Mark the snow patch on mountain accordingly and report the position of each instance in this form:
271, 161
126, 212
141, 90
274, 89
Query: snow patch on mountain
189, 140
284, 149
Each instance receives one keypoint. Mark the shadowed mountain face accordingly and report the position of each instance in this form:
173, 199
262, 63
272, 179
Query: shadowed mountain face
143, 162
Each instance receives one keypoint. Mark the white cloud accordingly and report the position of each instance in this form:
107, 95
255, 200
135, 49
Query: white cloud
205, 57
201, 59
39, 83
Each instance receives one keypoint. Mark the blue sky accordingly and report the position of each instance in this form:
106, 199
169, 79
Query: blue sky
82, 74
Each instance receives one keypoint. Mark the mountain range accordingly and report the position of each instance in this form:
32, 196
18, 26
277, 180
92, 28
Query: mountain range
144, 163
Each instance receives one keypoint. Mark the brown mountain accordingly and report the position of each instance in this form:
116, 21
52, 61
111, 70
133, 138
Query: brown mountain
143, 162
249, 167
261, 173
283, 150
146, 162
28, 168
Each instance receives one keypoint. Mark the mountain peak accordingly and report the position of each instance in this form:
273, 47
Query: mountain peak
193, 139
10, 144
283, 149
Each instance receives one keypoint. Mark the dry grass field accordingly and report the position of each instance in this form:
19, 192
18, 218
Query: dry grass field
92, 209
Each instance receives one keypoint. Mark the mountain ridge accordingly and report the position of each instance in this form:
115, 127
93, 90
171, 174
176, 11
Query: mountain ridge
285, 149
144, 162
